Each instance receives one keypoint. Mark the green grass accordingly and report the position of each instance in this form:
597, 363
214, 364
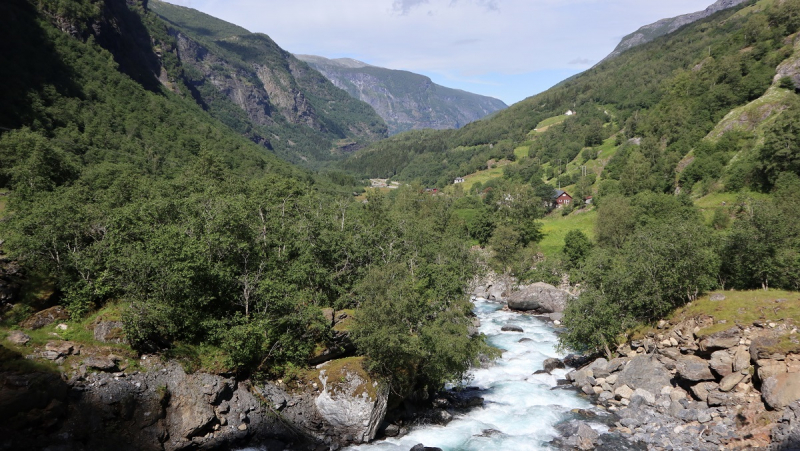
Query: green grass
712, 202
3, 202
522, 152
485, 175
550, 121
743, 308
555, 228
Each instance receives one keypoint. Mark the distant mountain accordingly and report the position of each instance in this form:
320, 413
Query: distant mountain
260, 90
405, 100
665, 26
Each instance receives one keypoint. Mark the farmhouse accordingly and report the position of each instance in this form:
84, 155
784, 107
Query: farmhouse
458, 180
561, 198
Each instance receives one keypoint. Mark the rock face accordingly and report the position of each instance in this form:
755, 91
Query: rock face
406, 101
492, 287
355, 405
163, 408
269, 91
540, 297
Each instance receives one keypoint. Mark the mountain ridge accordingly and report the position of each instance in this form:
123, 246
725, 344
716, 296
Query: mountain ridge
405, 100
661, 27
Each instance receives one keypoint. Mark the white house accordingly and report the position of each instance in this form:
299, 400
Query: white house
458, 180
569, 113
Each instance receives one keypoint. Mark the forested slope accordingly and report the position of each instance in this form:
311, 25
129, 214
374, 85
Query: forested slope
126, 197
668, 94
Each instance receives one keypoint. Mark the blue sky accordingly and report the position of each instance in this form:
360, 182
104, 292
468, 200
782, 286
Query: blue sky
508, 49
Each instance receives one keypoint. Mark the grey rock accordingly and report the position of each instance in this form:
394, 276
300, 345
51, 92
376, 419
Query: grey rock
442, 417
702, 390
768, 368
781, 390
541, 297
551, 364
730, 381
109, 332
578, 435
718, 398
646, 396
100, 363
693, 368
45, 317
511, 328
761, 348
391, 430
741, 358
623, 392
349, 408
644, 372
18, 338
721, 362
721, 340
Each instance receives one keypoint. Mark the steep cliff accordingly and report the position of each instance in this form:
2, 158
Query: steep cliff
406, 101
248, 82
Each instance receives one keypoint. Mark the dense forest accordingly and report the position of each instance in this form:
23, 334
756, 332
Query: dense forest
123, 192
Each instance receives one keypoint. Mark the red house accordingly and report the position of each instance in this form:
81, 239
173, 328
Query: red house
562, 198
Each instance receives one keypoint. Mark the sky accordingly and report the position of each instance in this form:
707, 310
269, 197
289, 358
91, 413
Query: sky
507, 49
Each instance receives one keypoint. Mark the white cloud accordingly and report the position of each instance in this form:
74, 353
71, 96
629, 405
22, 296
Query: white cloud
478, 40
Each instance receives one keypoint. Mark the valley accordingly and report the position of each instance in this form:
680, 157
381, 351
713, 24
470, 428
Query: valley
207, 242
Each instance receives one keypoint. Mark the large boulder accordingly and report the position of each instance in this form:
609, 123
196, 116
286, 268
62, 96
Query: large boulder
45, 317
693, 368
351, 401
721, 362
644, 372
540, 297
781, 390
721, 340
18, 338
109, 332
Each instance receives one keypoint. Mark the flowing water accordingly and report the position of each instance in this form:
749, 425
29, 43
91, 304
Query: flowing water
517, 403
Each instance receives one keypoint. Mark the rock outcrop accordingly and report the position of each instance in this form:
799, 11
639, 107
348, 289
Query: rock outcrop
539, 297
164, 408
681, 389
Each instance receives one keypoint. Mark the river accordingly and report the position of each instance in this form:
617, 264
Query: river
517, 403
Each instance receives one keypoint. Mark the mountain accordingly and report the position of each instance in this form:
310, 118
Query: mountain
248, 82
642, 112
406, 101
665, 26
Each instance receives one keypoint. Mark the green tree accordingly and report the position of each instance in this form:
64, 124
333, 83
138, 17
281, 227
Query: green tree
576, 248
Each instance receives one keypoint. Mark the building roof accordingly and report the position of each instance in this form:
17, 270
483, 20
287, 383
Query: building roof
560, 193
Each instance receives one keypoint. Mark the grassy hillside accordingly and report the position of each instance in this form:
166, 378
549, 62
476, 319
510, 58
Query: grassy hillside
665, 96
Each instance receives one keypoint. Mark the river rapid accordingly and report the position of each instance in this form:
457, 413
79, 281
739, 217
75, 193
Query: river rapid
519, 407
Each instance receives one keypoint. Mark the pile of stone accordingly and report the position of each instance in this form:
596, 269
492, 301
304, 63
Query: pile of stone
680, 389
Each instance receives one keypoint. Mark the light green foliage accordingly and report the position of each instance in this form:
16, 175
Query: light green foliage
666, 258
